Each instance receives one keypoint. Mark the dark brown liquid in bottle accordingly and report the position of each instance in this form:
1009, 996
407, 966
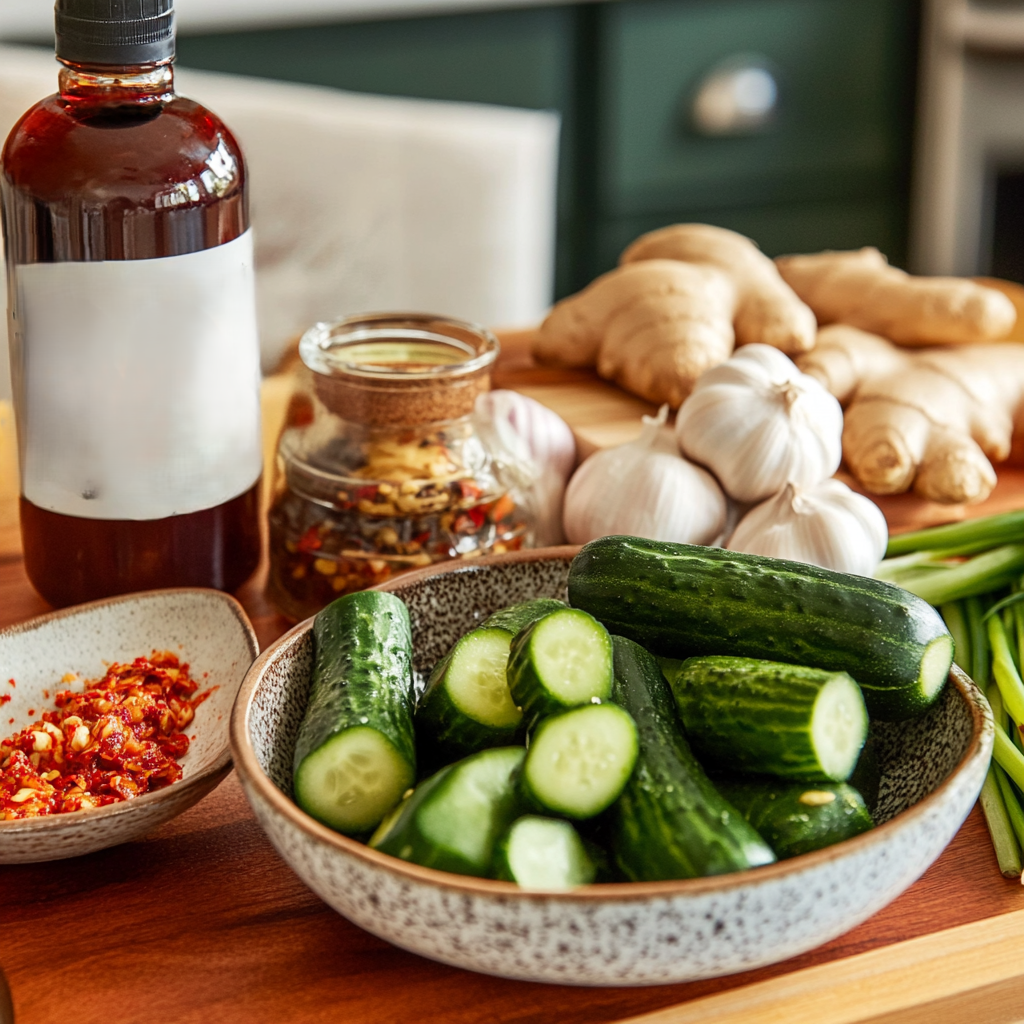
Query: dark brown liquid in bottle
94, 174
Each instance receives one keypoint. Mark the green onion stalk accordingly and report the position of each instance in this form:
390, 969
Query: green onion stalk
973, 572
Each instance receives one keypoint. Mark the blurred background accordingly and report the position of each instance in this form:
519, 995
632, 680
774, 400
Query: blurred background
805, 124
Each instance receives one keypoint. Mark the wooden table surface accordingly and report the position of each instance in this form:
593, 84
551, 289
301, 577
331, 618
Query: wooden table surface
202, 922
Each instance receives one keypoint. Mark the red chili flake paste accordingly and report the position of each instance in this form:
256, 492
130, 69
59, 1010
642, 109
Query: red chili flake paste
119, 738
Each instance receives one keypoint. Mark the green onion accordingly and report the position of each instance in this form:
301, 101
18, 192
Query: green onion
995, 702
953, 615
1010, 627
1018, 615
1010, 802
967, 537
1008, 757
1012, 760
892, 570
980, 662
998, 820
979, 575
1007, 602
989, 640
1011, 687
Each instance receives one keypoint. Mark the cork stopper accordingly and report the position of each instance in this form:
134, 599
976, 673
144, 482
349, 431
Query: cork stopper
399, 369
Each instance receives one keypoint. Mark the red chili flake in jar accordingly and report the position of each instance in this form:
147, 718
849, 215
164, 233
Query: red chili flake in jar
502, 507
5, 699
310, 540
469, 489
119, 738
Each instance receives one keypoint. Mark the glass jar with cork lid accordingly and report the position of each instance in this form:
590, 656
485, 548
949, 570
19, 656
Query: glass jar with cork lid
380, 465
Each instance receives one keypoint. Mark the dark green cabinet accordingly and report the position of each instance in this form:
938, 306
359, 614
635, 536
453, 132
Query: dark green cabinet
830, 172
836, 63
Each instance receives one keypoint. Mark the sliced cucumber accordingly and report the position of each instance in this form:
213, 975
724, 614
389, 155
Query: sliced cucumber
560, 661
763, 717
670, 821
580, 760
519, 616
352, 779
795, 818
354, 753
543, 853
452, 820
467, 706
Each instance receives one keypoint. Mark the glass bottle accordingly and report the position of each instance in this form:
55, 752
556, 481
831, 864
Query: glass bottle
134, 353
381, 467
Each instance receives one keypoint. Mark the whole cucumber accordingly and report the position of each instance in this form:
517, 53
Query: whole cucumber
355, 749
681, 600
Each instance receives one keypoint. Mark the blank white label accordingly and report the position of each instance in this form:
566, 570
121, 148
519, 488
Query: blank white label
137, 383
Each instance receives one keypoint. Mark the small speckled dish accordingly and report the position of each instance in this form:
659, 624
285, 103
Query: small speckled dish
205, 628
621, 934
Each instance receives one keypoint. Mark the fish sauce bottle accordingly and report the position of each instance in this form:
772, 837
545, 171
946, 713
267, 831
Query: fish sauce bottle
131, 319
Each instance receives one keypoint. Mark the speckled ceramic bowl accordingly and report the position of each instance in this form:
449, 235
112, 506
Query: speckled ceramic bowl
207, 629
623, 934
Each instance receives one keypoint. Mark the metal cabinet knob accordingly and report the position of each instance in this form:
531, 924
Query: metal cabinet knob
736, 97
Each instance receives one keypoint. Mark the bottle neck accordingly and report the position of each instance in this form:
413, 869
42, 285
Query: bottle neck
141, 84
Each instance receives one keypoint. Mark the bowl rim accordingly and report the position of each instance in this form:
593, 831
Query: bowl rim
220, 767
979, 748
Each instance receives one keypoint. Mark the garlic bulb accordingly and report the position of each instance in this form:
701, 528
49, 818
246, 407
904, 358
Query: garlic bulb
827, 525
645, 489
758, 423
535, 451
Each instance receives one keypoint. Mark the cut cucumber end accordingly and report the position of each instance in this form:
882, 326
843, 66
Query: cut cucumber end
352, 780
547, 855
839, 726
935, 665
572, 656
476, 679
580, 761
472, 806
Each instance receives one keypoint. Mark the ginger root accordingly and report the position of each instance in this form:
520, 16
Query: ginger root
929, 419
861, 289
768, 313
654, 325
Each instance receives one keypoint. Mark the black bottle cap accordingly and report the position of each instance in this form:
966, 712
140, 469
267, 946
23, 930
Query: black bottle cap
115, 32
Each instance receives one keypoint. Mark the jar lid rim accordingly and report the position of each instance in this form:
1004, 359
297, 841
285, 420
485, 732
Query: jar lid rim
331, 348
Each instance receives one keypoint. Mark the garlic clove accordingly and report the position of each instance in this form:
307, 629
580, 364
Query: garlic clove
827, 525
535, 451
528, 430
644, 489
